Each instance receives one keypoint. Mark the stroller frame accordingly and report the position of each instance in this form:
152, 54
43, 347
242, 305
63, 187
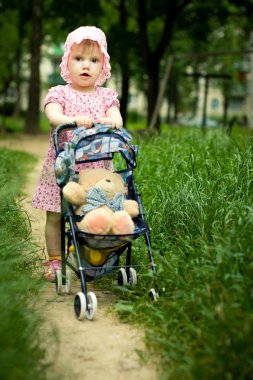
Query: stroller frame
73, 240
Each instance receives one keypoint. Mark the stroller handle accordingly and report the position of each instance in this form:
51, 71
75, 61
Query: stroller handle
128, 151
57, 132
59, 129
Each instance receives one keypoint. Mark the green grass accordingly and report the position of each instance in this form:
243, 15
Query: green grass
21, 355
197, 191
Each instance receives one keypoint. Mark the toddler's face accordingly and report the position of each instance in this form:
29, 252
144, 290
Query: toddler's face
85, 65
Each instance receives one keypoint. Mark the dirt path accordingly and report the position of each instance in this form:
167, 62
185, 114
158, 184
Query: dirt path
89, 350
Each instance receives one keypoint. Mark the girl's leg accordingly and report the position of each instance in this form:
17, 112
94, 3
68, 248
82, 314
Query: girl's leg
53, 234
53, 244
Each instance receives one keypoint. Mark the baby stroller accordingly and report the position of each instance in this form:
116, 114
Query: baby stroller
89, 145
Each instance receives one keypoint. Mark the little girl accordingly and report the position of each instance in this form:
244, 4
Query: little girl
85, 67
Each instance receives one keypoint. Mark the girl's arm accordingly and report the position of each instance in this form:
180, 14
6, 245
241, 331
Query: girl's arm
112, 117
55, 116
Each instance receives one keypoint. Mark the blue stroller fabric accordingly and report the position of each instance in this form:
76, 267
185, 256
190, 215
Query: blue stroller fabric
97, 143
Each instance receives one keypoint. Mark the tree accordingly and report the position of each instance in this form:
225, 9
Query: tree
119, 39
217, 54
169, 12
124, 60
8, 47
141, 35
32, 115
160, 21
24, 16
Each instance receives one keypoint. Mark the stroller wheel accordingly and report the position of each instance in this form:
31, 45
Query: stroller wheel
153, 295
58, 281
122, 277
80, 306
68, 281
92, 305
132, 277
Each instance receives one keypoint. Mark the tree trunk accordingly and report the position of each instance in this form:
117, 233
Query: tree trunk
19, 54
124, 95
16, 112
152, 87
32, 116
155, 119
152, 57
174, 94
225, 111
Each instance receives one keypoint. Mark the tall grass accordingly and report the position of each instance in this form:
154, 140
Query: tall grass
21, 355
197, 190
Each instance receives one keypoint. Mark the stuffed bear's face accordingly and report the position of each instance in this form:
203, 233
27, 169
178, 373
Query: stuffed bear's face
110, 182
108, 186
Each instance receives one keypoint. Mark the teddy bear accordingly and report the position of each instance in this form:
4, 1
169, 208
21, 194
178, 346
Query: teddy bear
99, 196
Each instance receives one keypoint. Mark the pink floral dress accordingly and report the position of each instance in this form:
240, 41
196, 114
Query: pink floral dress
94, 105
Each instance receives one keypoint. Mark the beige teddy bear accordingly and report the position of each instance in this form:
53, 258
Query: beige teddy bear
100, 197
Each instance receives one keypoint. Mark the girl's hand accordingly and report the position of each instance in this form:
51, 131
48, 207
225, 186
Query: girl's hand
108, 120
112, 117
83, 121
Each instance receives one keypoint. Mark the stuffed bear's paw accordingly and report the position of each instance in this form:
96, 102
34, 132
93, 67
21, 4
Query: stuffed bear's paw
122, 223
131, 207
97, 222
73, 193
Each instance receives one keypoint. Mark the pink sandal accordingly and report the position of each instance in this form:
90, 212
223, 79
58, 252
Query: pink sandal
51, 267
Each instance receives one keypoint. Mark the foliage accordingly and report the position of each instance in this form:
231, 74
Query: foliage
197, 190
124, 30
14, 32
21, 355
8, 46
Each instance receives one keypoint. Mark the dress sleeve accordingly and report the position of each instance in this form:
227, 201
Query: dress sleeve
55, 95
111, 98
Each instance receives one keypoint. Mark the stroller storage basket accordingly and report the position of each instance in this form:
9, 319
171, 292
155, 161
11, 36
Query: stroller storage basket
109, 241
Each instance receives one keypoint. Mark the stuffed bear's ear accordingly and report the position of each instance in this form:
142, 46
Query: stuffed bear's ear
122, 183
84, 176
83, 172
126, 189
119, 177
